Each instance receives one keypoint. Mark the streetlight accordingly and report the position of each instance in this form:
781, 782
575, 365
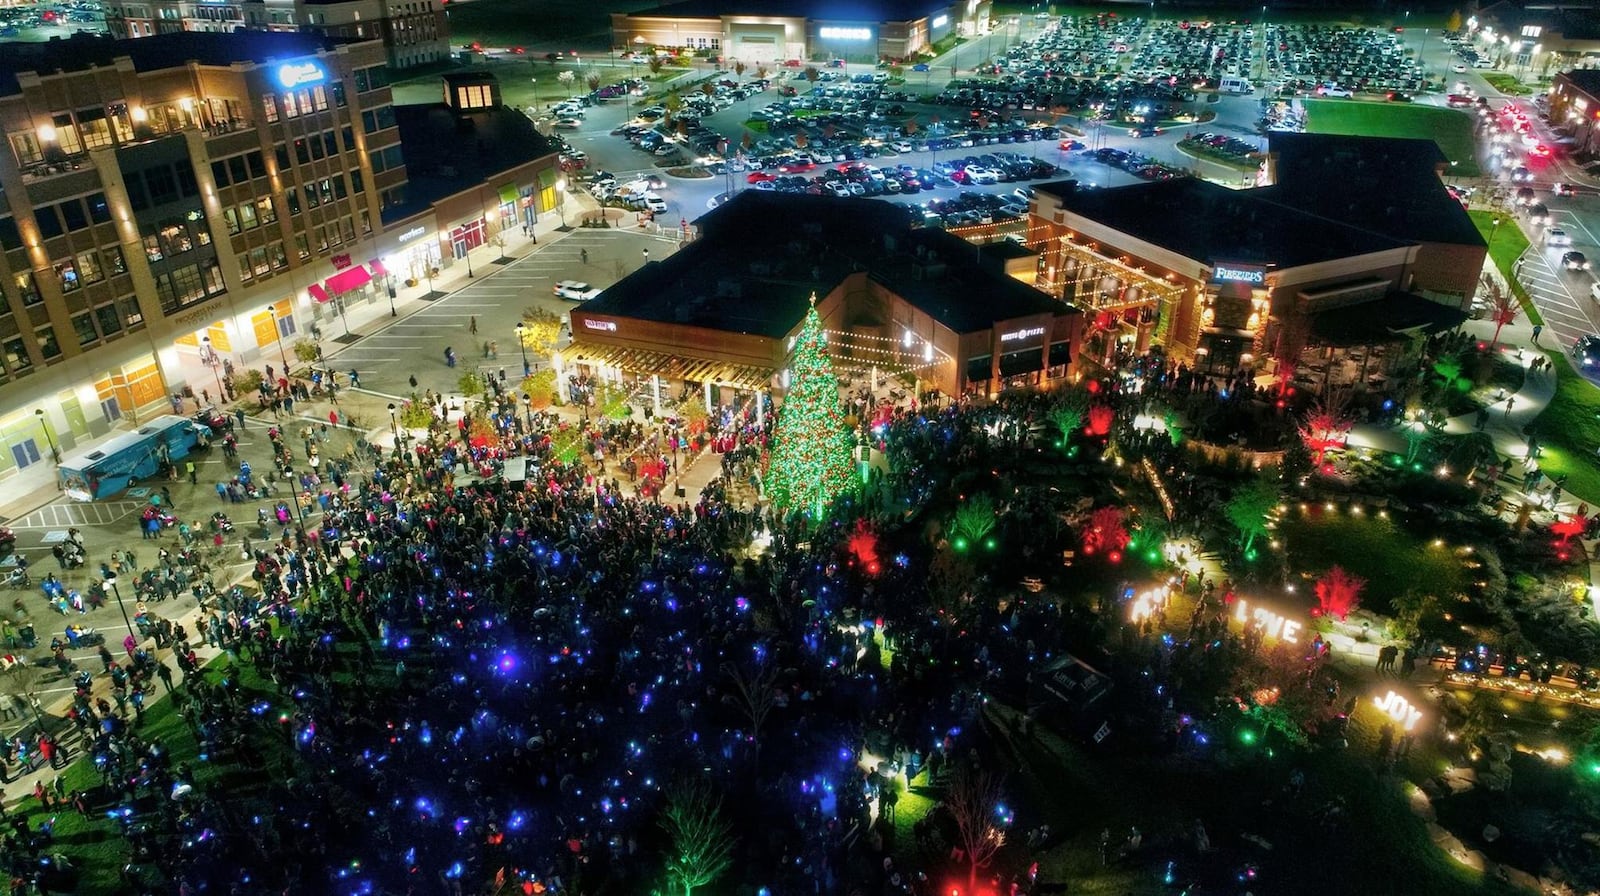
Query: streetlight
273, 313
390, 284
535, 83
646, 255
1496, 226
394, 425
211, 362
521, 344
112, 581
44, 423
527, 406
561, 201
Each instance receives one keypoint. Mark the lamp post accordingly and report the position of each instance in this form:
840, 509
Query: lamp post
273, 313
112, 581
646, 255
394, 424
1495, 226
390, 284
561, 201
521, 329
527, 410
211, 362
44, 423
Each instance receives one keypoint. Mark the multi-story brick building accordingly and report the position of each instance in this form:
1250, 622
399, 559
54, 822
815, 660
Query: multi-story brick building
415, 32
176, 201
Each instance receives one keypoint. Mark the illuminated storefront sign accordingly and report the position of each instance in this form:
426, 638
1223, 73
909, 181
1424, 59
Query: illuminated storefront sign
604, 326
299, 74
413, 233
941, 21
1273, 625
830, 33
1225, 274
1400, 709
1018, 335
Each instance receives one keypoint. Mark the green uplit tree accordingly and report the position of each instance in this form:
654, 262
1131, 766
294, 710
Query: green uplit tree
811, 446
701, 839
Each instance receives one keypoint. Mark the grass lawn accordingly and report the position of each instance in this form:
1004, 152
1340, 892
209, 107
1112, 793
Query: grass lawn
1507, 246
1569, 430
1507, 84
95, 844
1451, 129
1378, 549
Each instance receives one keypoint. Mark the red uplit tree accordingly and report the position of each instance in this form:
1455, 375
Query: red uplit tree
1338, 593
1568, 528
1503, 306
863, 545
1100, 418
1106, 533
1325, 428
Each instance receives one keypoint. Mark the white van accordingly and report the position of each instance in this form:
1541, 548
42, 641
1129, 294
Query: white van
1233, 85
1594, 292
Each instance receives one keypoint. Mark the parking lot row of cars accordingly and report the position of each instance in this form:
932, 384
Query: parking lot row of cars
1206, 143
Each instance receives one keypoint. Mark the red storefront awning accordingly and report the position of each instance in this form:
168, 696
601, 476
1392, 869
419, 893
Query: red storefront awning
317, 292
376, 265
351, 278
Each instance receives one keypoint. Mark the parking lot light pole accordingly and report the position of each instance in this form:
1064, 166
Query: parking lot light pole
394, 424
521, 329
273, 313
112, 581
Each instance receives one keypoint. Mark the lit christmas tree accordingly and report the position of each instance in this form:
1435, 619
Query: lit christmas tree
811, 447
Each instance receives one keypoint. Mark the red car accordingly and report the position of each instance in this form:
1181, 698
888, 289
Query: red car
797, 166
759, 177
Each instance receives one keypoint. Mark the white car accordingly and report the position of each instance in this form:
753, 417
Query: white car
1334, 90
569, 124
983, 175
575, 290
1459, 68
654, 203
900, 146
1555, 236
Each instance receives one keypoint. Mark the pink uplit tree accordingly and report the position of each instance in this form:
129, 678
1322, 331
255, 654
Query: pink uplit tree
1100, 419
1106, 533
1324, 429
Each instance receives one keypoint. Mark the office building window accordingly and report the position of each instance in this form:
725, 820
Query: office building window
67, 134
72, 216
67, 274
10, 237
107, 318
48, 346
293, 198
302, 246
83, 325
258, 260
115, 263
269, 108
27, 290
89, 269
266, 212
99, 209
49, 221
25, 145
247, 216
128, 308
280, 259
94, 127
16, 351
121, 122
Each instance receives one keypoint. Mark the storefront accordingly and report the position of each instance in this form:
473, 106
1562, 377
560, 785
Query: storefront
468, 236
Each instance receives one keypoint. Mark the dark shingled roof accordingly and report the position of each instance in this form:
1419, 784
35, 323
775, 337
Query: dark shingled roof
1209, 223
1389, 185
761, 255
446, 152
162, 51
824, 10
1381, 320
1585, 79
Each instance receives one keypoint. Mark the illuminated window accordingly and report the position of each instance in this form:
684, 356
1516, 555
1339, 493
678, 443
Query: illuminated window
83, 325
266, 211
67, 273
25, 146
67, 134
89, 267
94, 127
1531, 30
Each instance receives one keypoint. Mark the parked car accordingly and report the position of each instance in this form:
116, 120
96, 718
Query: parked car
569, 124
1575, 261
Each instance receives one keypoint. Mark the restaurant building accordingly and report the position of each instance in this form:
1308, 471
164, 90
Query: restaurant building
782, 31
922, 307
1348, 250
175, 202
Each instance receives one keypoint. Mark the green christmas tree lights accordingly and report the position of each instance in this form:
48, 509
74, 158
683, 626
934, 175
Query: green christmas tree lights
811, 447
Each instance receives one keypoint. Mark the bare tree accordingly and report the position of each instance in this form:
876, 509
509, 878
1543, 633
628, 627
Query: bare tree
754, 694
25, 679
974, 801
702, 840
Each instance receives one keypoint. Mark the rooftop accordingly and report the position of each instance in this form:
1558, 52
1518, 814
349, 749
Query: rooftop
826, 10
447, 152
1388, 185
1585, 79
1208, 223
83, 51
748, 274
